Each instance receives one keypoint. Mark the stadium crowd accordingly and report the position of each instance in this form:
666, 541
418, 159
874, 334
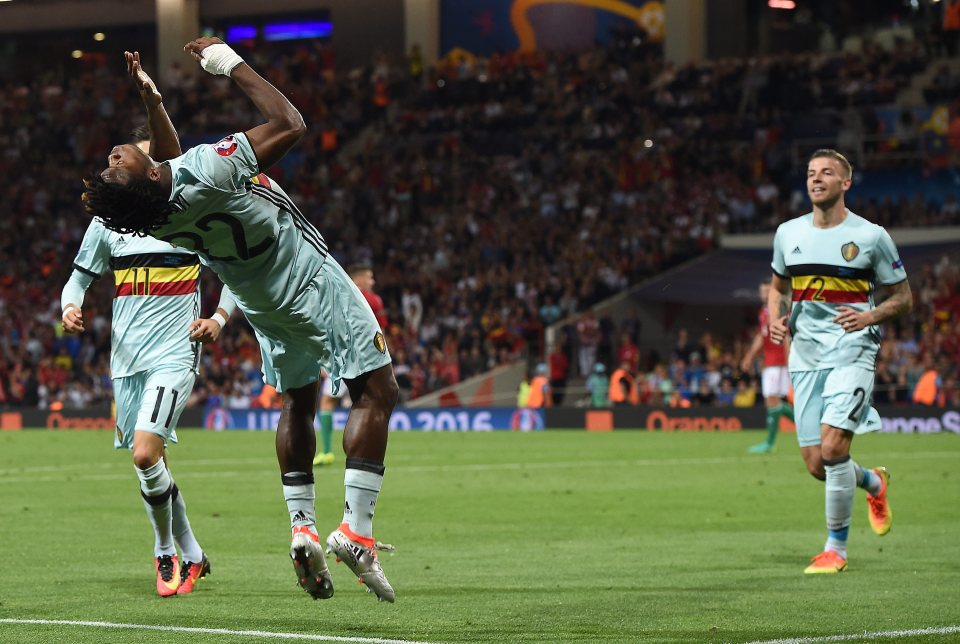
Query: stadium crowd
705, 370
494, 197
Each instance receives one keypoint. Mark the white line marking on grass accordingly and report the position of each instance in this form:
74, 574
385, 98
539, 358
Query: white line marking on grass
185, 473
211, 631
940, 630
125, 464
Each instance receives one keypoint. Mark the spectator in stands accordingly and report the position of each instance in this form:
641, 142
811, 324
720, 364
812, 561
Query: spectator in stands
628, 352
685, 348
588, 338
540, 394
929, 388
632, 210
951, 26
559, 365
598, 386
623, 387
746, 395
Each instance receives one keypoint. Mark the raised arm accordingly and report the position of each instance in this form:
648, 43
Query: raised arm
164, 143
284, 127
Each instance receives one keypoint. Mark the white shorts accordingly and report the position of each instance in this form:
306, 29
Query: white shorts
151, 401
328, 327
838, 397
775, 381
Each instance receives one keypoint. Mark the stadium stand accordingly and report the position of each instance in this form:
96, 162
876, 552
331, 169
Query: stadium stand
494, 197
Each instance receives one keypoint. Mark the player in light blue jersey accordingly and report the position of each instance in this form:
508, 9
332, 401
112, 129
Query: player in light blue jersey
826, 265
155, 350
307, 313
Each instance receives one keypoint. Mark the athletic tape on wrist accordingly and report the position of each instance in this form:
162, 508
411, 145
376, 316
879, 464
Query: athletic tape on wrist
222, 321
219, 59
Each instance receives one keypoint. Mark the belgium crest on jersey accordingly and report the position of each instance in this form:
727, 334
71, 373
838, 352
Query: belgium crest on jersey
849, 251
379, 342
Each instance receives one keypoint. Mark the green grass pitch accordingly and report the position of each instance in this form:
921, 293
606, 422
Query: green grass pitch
501, 537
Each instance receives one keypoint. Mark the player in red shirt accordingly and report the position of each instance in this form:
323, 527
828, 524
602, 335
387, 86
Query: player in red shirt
774, 379
362, 275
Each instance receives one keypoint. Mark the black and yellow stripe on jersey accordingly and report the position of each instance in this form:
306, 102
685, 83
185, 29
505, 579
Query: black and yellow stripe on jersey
829, 283
155, 274
260, 186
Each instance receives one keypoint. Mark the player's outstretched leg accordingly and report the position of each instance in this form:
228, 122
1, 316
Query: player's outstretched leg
365, 443
295, 446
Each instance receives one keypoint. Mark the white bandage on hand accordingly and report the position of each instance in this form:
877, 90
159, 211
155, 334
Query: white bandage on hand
222, 321
219, 59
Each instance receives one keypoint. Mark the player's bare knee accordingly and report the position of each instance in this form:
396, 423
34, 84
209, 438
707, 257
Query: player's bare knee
835, 450
144, 456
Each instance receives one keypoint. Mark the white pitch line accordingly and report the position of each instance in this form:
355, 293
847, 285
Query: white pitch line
124, 464
211, 631
185, 473
939, 630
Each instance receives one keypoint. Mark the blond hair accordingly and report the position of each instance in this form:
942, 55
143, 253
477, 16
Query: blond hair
836, 156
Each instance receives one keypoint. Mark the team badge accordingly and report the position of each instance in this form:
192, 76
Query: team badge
849, 251
226, 147
119, 435
379, 342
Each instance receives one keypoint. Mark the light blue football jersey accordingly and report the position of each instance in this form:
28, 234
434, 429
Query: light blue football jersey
156, 297
242, 225
828, 268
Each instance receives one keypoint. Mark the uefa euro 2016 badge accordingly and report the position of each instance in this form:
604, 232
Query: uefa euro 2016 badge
226, 146
849, 251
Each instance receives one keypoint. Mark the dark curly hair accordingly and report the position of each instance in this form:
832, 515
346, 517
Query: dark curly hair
137, 207
140, 133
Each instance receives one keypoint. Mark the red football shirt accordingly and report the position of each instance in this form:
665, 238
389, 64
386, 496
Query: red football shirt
774, 355
376, 303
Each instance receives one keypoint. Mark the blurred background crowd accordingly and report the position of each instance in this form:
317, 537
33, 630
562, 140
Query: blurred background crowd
497, 196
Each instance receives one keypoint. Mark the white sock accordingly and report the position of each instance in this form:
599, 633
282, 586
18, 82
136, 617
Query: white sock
299, 493
156, 488
840, 485
867, 480
182, 533
361, 489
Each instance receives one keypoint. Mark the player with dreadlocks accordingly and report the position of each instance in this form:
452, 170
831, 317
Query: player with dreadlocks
307, 313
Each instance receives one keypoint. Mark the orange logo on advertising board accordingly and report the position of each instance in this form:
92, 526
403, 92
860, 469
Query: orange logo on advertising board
660, 420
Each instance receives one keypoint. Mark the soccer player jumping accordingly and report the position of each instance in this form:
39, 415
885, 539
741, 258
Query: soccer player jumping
825, 264
307, 313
